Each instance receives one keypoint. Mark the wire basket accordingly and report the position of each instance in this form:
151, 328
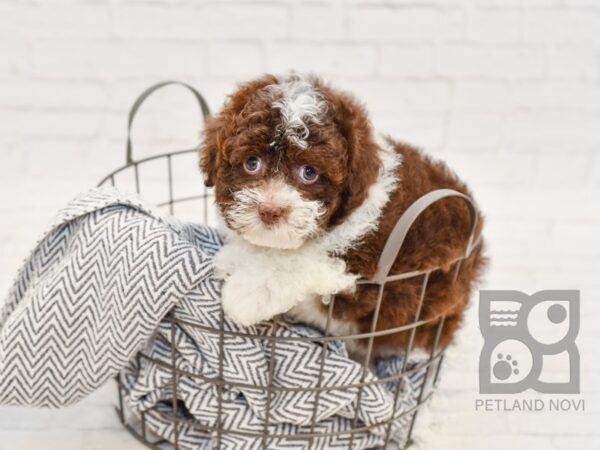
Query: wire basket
163, 185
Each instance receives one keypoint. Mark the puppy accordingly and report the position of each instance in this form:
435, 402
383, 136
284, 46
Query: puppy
308, 196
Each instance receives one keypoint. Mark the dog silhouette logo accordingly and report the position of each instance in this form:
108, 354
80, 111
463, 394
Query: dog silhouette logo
529, 342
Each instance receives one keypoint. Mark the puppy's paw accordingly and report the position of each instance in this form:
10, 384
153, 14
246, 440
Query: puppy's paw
224, 263
246, 305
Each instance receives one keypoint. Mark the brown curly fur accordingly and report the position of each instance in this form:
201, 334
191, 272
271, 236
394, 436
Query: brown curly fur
438, 237
344, 150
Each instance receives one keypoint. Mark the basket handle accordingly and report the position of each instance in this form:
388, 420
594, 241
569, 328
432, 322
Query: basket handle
144, 95
402, 227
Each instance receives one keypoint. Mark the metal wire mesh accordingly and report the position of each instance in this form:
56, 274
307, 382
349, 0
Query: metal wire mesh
176, 202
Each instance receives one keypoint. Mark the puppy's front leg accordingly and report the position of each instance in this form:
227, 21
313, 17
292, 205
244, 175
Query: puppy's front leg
258, 283
262, 283
248, 300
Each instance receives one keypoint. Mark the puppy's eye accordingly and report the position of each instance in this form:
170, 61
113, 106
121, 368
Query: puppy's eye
308, 174
252, 165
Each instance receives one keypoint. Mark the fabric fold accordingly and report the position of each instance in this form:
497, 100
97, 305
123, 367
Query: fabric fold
112, 277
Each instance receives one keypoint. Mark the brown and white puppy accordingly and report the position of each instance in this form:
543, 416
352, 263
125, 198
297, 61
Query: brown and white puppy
309, 196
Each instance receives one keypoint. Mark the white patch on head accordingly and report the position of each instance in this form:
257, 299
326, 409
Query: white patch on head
301, 222
299, 103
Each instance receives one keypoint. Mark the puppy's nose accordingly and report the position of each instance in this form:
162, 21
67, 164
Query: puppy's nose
270, 215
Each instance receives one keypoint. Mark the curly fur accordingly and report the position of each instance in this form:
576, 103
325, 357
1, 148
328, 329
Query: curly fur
363, 188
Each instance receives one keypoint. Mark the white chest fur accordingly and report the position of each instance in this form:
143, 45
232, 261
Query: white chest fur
263, 282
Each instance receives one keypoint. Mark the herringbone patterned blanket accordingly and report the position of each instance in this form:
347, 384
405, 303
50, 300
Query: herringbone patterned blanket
96, 290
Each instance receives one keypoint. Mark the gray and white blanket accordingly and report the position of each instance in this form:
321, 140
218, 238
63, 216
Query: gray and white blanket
99, 287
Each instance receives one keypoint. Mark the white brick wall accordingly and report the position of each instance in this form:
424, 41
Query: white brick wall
507, 91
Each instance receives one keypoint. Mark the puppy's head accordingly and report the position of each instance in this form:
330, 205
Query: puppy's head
289, 157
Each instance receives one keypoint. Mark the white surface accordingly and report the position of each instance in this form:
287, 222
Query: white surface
507, 91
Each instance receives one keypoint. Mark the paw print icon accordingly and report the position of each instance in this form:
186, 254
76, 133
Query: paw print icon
503, 368
529, 342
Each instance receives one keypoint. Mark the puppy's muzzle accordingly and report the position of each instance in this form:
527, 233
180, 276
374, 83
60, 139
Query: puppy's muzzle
272, 215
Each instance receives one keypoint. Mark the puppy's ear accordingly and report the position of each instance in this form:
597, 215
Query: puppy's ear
363, 161
209, 151
223, 126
